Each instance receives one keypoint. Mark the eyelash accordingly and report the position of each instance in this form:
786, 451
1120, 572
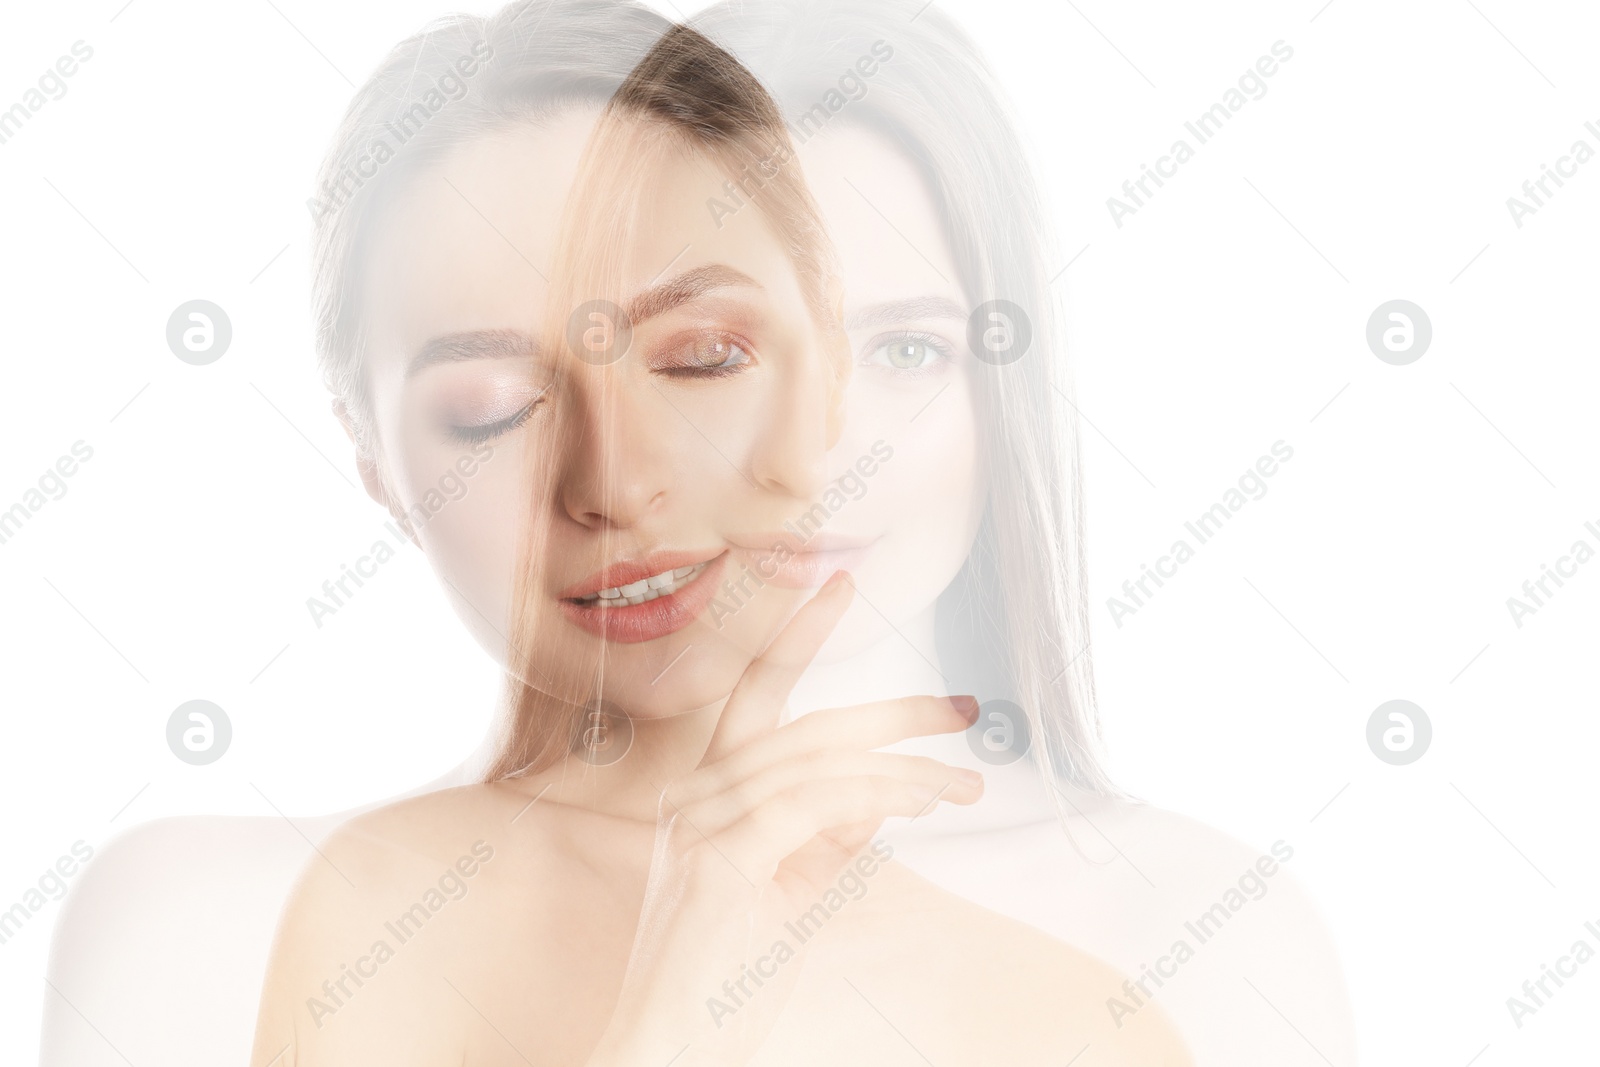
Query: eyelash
703, 372
933, 341
695, 371
474, 435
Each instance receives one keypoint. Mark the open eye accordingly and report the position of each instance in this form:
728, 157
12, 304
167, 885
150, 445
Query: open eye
907, 352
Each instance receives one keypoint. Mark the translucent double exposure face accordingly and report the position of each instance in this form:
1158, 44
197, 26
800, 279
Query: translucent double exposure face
688, 455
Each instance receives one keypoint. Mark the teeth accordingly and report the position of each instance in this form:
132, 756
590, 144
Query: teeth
657, 585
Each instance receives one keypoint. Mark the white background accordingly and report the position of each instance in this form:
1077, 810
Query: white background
1227, 314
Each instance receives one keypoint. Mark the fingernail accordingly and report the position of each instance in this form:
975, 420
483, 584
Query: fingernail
968, 778
967, 706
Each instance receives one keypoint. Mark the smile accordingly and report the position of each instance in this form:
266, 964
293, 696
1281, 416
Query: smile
645, 599
645, 589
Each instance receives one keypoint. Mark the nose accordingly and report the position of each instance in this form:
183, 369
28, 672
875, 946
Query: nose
804, 421
613, 474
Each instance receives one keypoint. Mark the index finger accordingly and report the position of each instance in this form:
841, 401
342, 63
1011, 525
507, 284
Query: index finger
756, 702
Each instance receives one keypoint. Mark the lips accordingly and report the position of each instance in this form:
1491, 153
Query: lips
644, 599
783, 560
645, 589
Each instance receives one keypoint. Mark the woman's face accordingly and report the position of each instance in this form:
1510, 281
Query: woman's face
911, 390
710, 461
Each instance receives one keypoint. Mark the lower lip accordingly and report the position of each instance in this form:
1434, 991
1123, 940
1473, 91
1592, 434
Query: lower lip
808, 570
635, 623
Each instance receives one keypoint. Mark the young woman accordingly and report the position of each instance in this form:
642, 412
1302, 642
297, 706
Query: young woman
677, 379
601, 922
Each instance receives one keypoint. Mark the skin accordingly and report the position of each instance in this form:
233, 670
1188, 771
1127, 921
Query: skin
907, 337
632, 430
721, 825
157, 884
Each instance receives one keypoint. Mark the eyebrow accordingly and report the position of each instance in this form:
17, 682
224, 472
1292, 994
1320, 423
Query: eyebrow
682, 288
473, 344
514, 344
891, 312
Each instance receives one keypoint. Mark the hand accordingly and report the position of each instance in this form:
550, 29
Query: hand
754, 836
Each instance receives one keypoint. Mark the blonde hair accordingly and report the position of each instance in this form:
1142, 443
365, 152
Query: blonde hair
685, 94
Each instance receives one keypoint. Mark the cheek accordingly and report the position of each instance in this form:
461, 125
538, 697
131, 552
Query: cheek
925, 502
704, 442
927, 498
943, 484
477, 532
467, 507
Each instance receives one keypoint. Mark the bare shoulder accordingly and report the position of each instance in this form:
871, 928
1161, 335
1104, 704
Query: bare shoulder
157, 866
1208, 928
220, 897
1116, 872
430, 845
157, 905
377, 922
1025, 994
1126, 851
1220, 935
1168, 836
419, 830
1063, 999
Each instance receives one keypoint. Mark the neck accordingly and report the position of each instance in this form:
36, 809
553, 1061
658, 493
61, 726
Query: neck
904, 661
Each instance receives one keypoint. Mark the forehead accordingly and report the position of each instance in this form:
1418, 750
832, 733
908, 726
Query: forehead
470, 241
473, 233
888, 232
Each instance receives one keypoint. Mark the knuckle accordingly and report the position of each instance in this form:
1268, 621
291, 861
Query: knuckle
768, 822
739, 796
702, 867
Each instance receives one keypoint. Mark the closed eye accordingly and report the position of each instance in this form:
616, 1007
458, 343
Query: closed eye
477, 434
704, 355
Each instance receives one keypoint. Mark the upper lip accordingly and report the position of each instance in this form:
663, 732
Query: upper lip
817, 542
628, 571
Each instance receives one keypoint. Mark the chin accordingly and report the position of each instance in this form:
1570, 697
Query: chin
662, 701
863, 628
